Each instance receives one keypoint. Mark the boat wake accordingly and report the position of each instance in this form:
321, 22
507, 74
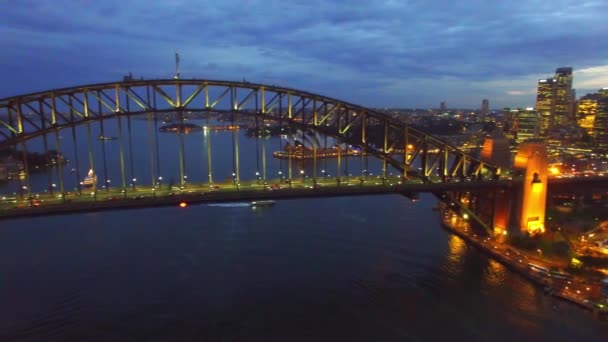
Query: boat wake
229, 205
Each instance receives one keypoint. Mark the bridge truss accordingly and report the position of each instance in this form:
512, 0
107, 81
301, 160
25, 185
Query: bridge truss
396, 143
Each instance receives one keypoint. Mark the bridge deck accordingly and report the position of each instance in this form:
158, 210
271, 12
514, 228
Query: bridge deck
202, 193
197, 194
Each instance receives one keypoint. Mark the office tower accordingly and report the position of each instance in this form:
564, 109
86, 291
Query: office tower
586, 110
508, 127
545, 105
573, 104
555, 100
526, 124
485, 108
563, 97
600, 125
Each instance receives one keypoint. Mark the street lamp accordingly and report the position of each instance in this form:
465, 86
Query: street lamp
257, 176
302, 173
159, 181
133, 183
234, 178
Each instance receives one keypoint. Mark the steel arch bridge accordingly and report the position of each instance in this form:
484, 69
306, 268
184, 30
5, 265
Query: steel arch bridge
24, 117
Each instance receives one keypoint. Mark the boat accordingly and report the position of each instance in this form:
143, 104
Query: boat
264, 203
180, 128
90, 180
105, 138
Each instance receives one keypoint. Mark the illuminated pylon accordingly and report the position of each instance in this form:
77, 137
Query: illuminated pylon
532, 160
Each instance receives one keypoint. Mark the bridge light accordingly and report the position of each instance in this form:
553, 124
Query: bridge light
183, 204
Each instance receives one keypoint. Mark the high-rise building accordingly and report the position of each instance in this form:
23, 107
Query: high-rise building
526, 124
555, 100
563, 97
600, 125
545, 105
573, 104
485, 108
586, 110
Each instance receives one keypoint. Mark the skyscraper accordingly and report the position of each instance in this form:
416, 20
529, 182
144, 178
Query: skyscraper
600, 125
563, 97
526, 124
485, 108
545, 105
555, 100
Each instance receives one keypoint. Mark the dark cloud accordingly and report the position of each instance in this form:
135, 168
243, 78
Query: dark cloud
409, 53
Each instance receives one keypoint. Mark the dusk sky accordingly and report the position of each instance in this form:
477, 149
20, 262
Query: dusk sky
393, 53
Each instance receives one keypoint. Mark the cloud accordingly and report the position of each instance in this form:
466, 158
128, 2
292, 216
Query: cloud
520, 92
410, 53
591, 79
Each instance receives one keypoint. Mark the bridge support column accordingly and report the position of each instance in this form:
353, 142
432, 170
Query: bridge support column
532, 160
501, 210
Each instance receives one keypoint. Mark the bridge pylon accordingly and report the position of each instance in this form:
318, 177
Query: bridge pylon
531, 159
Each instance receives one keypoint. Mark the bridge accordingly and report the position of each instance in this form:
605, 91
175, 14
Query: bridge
77, 121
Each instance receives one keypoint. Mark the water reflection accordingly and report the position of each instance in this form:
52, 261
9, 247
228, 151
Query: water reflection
494, 274
457, 249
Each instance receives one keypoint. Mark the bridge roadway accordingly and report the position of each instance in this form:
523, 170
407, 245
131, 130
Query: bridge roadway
147, 196
142, 196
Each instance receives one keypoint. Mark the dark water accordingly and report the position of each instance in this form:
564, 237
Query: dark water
349, 269
361, 268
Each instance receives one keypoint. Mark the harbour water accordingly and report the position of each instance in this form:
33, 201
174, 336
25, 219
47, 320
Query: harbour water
356, 268
366, 268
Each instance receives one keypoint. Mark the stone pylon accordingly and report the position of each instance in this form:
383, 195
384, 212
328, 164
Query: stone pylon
531, 160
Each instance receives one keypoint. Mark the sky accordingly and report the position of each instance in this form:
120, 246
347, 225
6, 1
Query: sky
391, 53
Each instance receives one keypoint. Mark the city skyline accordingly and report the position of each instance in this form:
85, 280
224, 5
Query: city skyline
396, 55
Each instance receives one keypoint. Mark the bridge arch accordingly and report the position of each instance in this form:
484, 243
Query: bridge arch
25, 117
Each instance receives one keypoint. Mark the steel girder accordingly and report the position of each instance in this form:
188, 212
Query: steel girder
404, 147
